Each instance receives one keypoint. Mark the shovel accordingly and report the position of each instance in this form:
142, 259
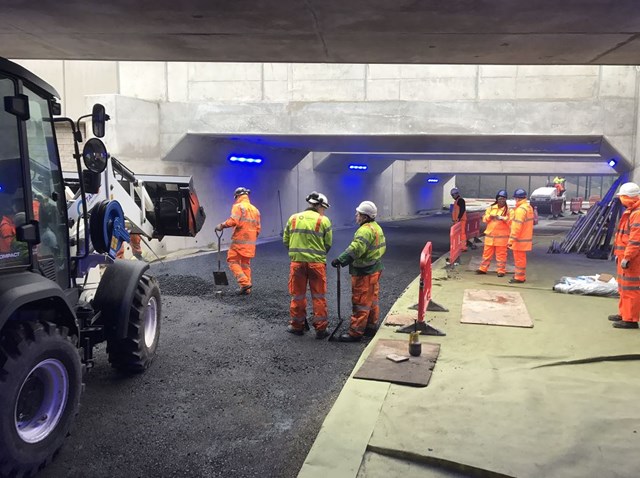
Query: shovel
340, 320
220, 276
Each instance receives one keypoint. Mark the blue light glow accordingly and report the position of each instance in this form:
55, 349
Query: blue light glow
1, 188
612, 162
361, 167
433, 180
244, 159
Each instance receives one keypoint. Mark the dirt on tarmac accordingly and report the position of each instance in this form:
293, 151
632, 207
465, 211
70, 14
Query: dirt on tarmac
230, 393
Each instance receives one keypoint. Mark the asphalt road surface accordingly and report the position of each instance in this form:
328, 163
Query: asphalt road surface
230, 393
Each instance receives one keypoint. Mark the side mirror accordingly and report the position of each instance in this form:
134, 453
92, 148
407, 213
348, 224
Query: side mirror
98, 119
94, 155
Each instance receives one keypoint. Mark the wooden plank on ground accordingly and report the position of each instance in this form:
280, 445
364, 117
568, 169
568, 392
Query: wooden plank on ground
494, 307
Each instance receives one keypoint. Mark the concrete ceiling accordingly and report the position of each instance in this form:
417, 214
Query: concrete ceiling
325, 31
425, 154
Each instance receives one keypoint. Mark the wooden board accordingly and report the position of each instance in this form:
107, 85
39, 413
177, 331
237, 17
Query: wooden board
494, 307
475, 261
401, 319
415, 372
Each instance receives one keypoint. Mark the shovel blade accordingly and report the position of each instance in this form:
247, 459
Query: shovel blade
220, 278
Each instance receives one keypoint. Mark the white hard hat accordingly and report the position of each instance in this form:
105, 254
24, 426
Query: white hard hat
368, 208
629, 189
316, 198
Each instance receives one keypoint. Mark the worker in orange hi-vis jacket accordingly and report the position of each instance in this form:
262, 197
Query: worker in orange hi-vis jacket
521, 235
245, 219
627, 251
497, 217
459, 214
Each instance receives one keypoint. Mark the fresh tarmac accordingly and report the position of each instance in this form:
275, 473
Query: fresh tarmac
230, 393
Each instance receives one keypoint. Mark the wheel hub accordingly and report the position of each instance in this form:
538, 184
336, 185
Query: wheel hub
41, 401
151, 322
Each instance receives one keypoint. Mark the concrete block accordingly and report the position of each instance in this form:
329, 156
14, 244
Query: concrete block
146, 80
438, 89
177, 81
498, 71
556, 87
88, 78
618, 81
383, 90
235, 91
324, 71
225, 71
275, 71
276, 91
557, 70
497, 88
383, 72
438, 71
327, 90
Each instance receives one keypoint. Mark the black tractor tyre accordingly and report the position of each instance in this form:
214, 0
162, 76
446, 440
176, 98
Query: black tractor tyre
134, 353
40, 386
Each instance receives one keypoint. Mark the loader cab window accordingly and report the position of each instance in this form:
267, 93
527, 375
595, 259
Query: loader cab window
12, 253
47, 190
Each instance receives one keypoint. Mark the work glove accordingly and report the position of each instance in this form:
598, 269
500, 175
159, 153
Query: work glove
219, 227
336, 263
625, 263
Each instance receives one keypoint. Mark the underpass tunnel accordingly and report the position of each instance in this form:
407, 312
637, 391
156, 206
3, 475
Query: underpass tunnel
404, 175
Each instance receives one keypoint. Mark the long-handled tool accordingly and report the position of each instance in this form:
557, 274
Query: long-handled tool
220, 276
281, 220
339, 316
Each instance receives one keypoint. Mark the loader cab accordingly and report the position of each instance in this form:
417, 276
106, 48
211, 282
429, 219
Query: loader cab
34, 233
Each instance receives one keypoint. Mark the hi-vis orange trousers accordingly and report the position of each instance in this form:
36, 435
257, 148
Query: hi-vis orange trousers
520, 259
629, 288
240, 266
501, 258
364, 299
314, 273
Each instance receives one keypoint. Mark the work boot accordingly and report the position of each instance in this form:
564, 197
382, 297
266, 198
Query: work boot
614, 318
500, 274
516, 281
244, 290
481, 272
623, 324
292, 330
322, 334
370, 331
348, 338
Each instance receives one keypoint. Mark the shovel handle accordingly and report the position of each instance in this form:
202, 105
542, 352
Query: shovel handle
338, 291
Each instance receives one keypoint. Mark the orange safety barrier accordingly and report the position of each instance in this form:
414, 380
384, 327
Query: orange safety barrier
474, 219
424, 295
575, 205
455, 242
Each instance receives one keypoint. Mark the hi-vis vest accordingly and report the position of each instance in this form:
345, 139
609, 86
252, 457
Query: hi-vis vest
366, 249
521, 237
245, 218
308, 236
498, 230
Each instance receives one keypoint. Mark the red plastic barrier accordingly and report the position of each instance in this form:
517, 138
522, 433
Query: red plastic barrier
424, 295
455, 242
474, 219
575, 205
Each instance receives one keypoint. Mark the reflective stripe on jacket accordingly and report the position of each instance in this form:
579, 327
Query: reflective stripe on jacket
627, 241
365, 251
498, 230
521, 237
308, 236
245, 218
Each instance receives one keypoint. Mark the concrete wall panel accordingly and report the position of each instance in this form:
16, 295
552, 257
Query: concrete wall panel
225, 72
233, 91
84, 78
438, 89
146, 80
556, 87
618, 81
177, 81
324, 71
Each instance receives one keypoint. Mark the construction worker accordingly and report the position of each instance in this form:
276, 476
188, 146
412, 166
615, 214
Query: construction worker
8, 222
364, 256
245, 219
521, 235
459, 214
308, 238
627, 251
136, 248
497, 217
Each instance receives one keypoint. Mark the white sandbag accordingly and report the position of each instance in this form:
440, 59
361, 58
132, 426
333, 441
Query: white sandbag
587, 285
